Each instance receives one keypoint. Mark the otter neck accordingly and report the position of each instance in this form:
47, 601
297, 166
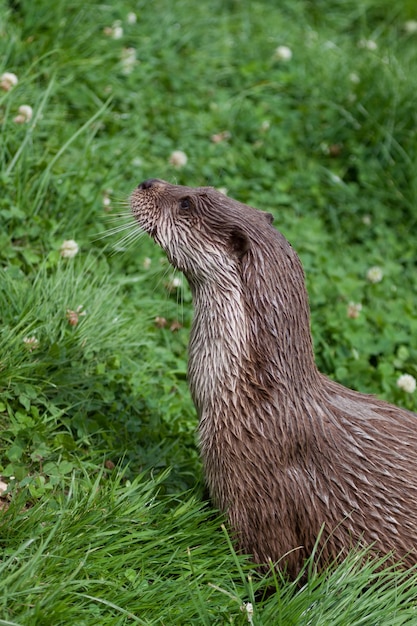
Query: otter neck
252, 331
218, 342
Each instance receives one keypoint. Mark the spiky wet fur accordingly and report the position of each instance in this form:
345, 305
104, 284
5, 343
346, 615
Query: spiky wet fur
287, 452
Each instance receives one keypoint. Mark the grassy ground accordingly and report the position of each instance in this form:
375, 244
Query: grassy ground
94, 406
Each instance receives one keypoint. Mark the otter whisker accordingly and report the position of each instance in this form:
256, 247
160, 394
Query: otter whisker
163, 279
122, 202
117, 200
113, 231
112, 217
129, 239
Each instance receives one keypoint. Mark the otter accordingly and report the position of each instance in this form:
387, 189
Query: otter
300, 464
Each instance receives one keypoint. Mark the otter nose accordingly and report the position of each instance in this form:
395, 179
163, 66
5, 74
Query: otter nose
147, 184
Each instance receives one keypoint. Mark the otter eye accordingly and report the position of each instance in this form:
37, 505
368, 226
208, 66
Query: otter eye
185, 203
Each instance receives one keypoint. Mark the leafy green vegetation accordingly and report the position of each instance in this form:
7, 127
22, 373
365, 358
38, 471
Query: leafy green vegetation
305, 109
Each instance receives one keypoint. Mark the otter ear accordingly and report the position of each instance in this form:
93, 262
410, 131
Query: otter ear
239, 242
269, 217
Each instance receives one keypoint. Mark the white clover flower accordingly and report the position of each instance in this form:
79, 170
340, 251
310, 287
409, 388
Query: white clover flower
147, 262
175, 326
368, 44
69, 249
160, 322
25, 114
8, 80
73, 317
407, 383
222, 136
131, 18
248, 609
374, 274
128, 60
354, 309
173, 284
137, 162
115, 31
31, 343
223, 190
410, 26
354, 78
176, 282
106, 200
178, 158
283, 53
266, 125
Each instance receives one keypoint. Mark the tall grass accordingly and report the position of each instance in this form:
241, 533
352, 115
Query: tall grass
111, 551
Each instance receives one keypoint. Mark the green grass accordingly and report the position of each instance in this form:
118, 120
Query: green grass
104, 521
114, 551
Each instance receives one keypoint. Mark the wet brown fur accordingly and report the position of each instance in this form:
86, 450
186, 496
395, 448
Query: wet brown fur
287, 452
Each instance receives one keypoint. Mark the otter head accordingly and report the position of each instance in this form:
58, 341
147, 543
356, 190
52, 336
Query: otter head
202, 231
